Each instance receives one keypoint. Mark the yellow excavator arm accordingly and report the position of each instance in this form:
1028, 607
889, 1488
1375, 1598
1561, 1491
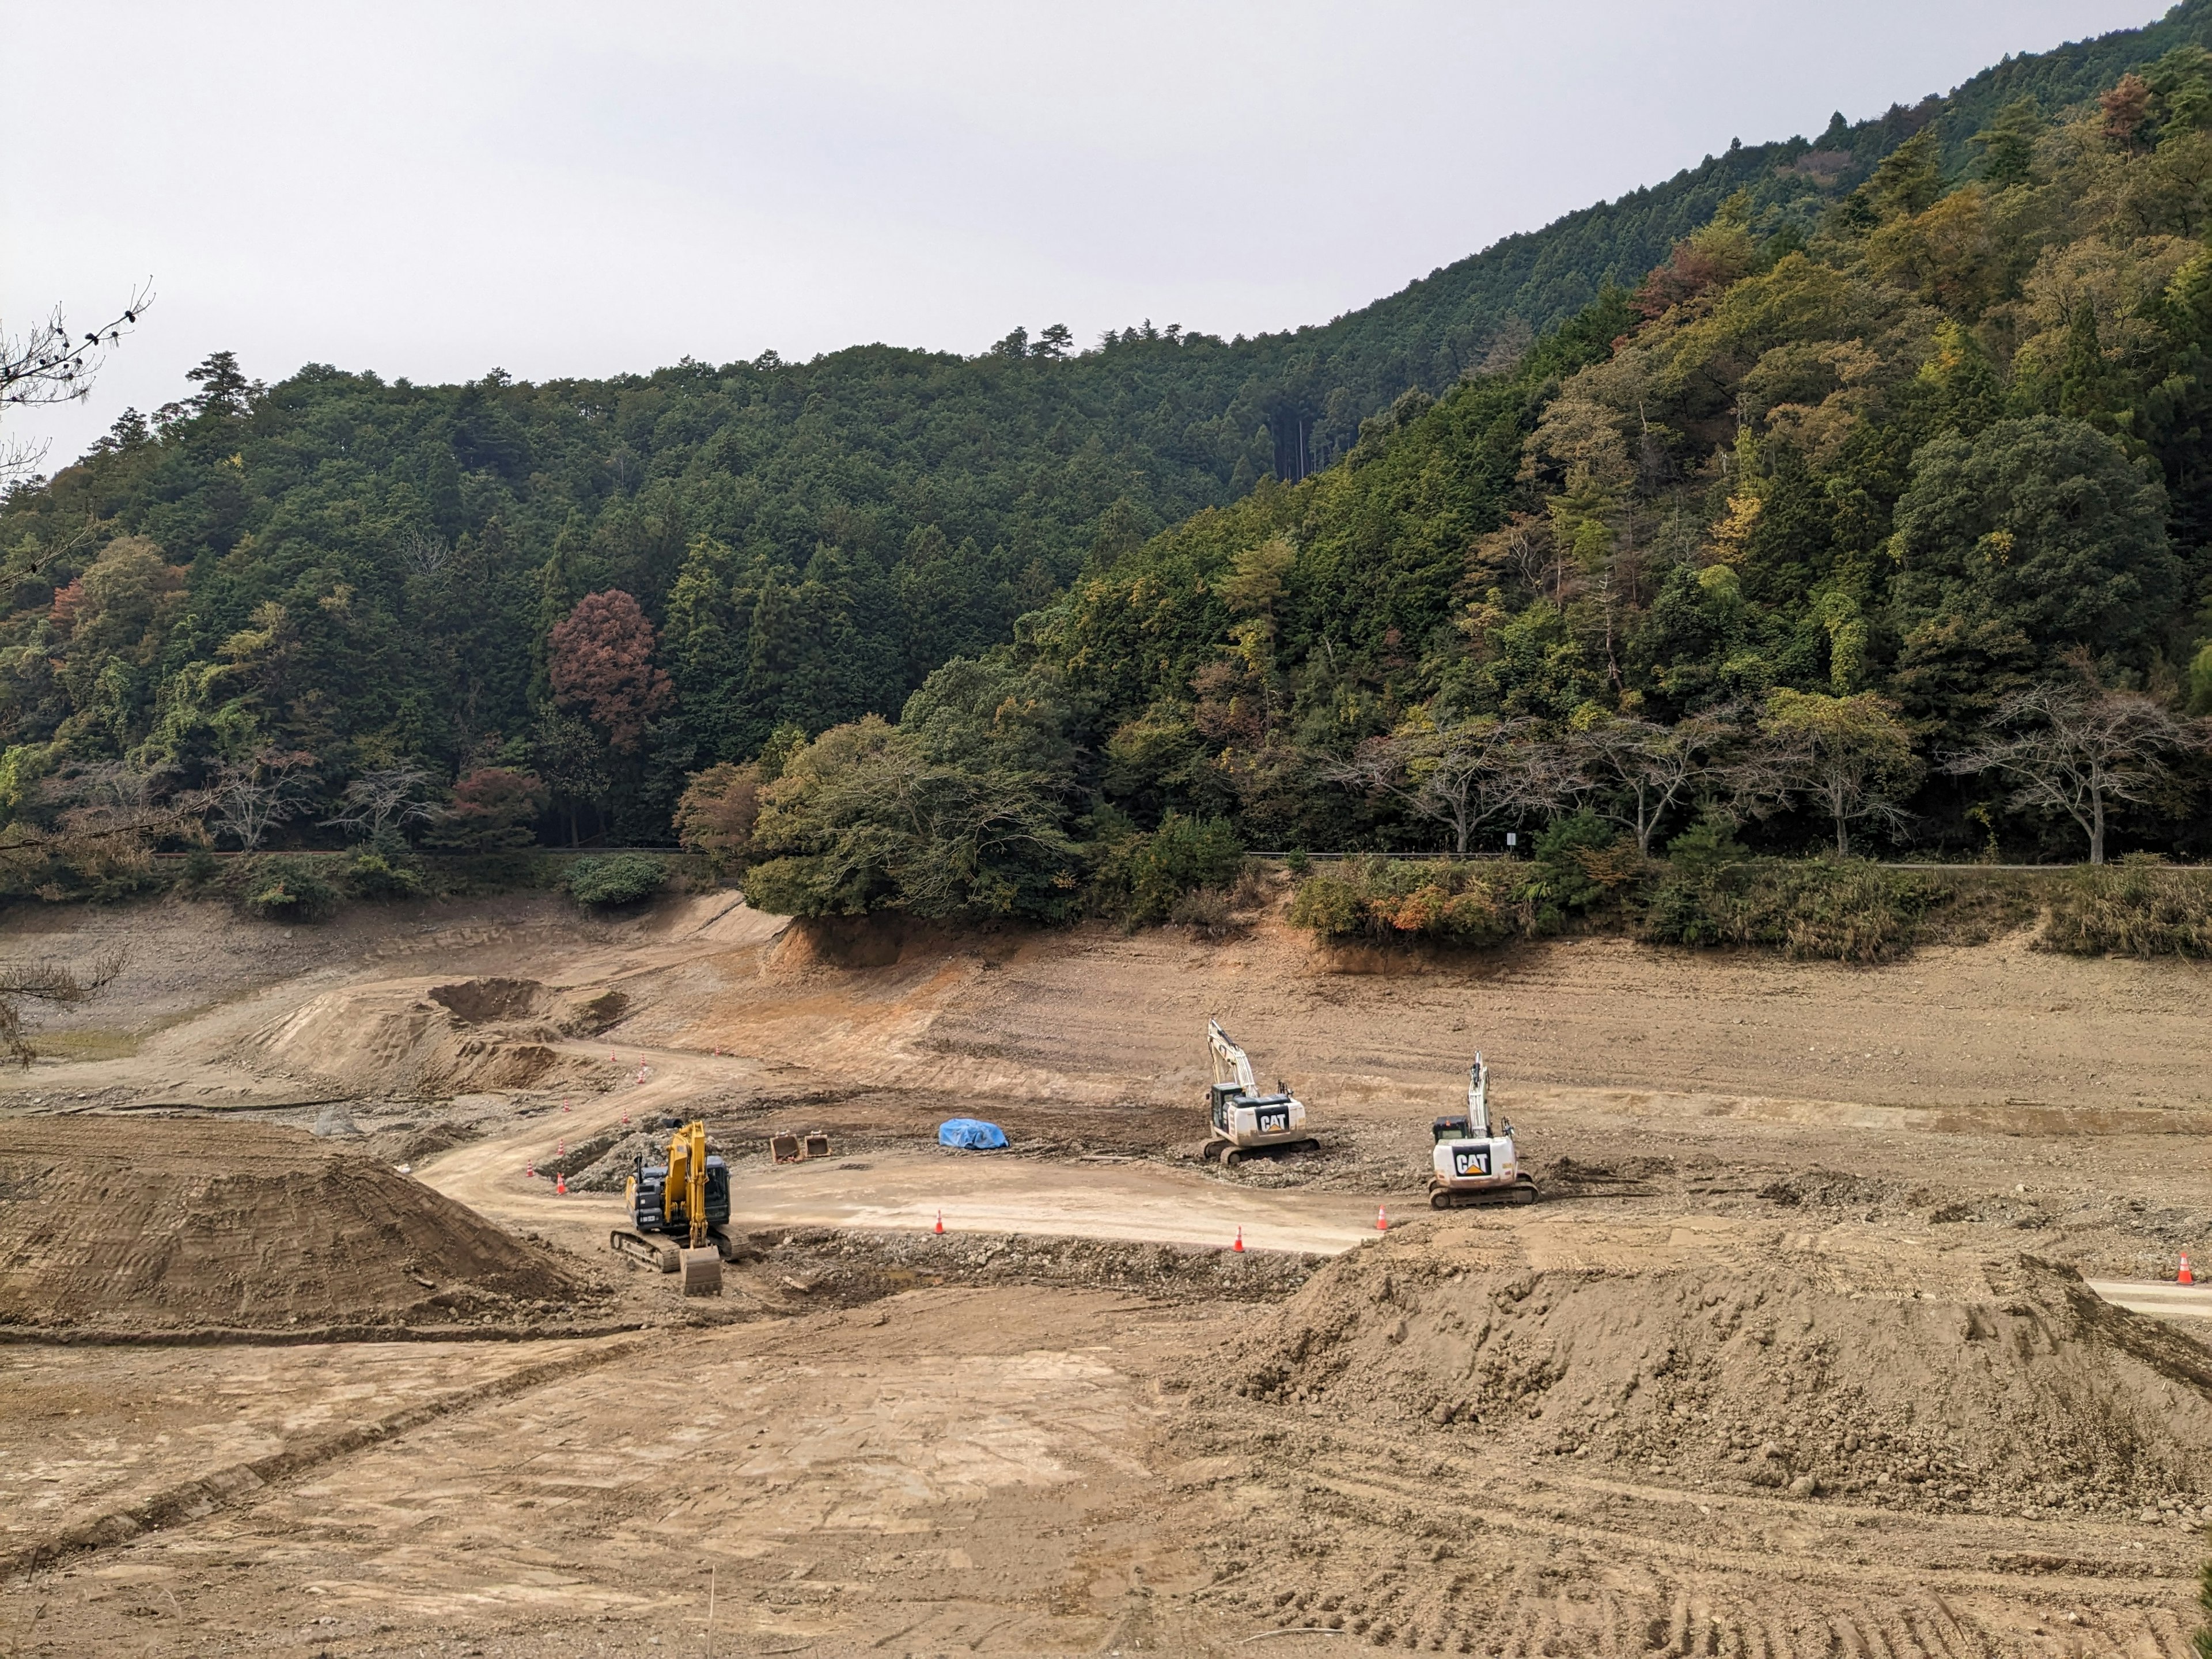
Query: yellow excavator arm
687, 1173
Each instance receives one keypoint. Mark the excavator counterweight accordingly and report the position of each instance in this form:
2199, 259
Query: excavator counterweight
1474, 1164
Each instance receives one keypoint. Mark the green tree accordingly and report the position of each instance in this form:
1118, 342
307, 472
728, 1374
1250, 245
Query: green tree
1852, 755
2008, 144
2042, 524
490, 809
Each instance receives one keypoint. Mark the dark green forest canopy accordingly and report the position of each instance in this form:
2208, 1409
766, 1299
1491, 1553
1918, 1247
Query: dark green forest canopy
369, 573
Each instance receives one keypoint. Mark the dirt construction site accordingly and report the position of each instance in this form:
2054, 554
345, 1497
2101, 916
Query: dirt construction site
1846, 1323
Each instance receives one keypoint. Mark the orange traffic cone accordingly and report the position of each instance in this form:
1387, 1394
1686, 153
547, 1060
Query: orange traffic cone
2185, 1277
560, 1185
560, 1149
1239, 1245
530, 1170
625, 1117
1381, 1221
940, 1221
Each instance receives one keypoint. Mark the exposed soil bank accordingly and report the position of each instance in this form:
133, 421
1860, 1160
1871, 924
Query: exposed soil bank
147, 1223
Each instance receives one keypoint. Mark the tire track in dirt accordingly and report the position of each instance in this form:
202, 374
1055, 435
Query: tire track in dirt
239, 1484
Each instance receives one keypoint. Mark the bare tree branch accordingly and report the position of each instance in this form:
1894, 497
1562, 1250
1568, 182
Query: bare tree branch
1638, 771
56, 364
44, 980
384, 797
2077, 749
254, 796
1462, 774
1851, 754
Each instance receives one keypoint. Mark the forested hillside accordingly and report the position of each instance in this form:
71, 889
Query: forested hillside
1891, 533
542, 608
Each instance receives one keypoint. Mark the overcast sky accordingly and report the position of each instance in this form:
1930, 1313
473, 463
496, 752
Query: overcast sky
431, 191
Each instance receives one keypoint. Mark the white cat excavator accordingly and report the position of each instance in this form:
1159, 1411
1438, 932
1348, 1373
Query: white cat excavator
1240, 1119
1473, 1165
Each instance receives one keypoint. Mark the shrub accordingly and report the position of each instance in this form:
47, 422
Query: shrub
2132, 908
617, 879
1578, 865
1205, 910
1401, 899
201, 866
286, 889
1331, 904
1143, 877
372, 875
1830, 909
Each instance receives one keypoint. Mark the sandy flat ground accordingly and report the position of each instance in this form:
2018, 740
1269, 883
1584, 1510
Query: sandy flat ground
1044, 1467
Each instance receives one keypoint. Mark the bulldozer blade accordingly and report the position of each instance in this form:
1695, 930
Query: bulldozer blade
702, 1271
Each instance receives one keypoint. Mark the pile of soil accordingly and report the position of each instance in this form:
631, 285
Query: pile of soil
166, 1224
1931, 1386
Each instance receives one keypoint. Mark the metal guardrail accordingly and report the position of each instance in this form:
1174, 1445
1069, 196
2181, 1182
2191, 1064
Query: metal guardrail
1880, 864
420, 852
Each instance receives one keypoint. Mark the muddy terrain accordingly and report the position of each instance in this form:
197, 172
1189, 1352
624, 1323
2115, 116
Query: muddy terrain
1836, 1333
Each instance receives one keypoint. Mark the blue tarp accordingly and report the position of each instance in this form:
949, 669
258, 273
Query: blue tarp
971, 1132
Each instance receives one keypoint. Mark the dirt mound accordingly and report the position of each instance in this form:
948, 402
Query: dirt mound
506, 1001
1934, 1385
182, 1223
481, 1001
400, 1038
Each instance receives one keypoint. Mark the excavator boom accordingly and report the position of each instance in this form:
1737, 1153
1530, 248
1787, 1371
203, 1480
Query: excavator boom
1230, 1063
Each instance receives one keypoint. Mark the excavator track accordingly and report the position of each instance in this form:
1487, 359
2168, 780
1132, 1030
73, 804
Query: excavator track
654, 1253
1228, 1152
1522, 1191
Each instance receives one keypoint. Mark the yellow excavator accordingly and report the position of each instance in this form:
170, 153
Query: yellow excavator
686, 1197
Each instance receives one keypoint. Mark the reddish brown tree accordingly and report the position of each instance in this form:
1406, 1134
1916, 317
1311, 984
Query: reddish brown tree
491, 809
603, 663
717, 812
2127, 111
